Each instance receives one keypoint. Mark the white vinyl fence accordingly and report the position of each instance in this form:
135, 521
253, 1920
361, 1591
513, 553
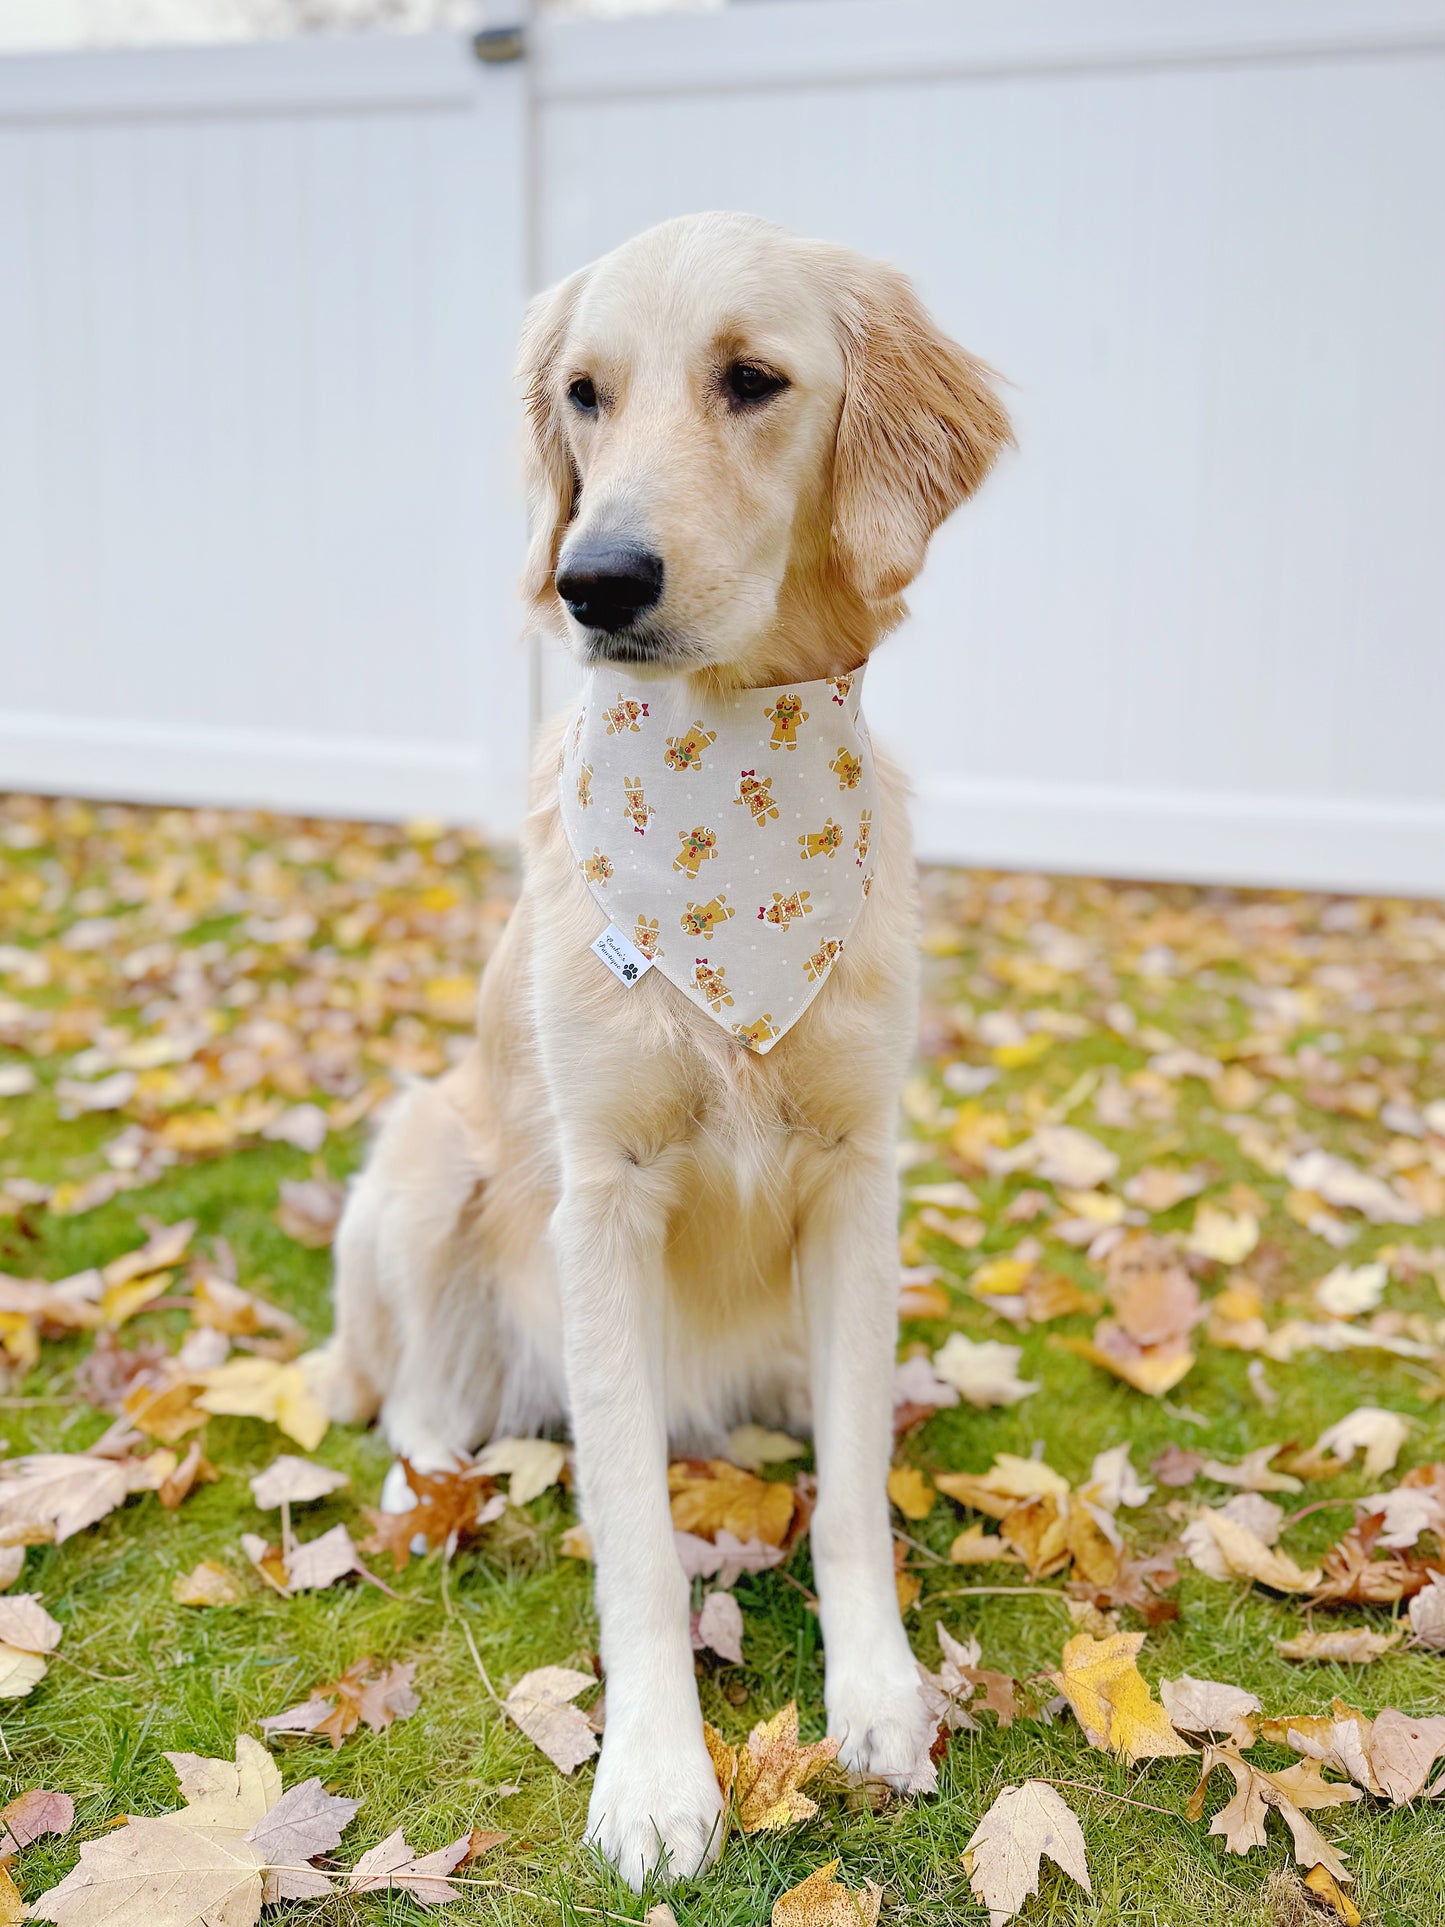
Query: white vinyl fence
259, 515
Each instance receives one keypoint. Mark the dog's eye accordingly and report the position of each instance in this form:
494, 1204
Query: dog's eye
583, 395
747, 382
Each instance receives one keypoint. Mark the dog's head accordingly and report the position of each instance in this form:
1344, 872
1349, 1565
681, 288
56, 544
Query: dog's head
739, 446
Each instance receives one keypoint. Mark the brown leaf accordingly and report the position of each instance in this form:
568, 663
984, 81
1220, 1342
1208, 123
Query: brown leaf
1348, 1646
310, 1210
31, 1815
771, 1770
540, 1703
1241, 1822
394, 1865
358, 1697
194, 1469
451, 1507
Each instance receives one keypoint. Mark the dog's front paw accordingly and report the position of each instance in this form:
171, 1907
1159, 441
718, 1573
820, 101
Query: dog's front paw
884, 1729
655, 1808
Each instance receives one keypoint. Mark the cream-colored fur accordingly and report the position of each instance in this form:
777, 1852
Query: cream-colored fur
610, 1216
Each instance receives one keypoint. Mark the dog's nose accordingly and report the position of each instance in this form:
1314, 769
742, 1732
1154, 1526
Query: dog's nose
608, 585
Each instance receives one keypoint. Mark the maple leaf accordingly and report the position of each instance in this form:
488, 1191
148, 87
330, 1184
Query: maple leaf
1390, 1755
985, 1372
772, 1767
1241, 1822
1004, 1855
266, 1388
712, 1496
822, 1900
208, 1584
31, 1815
1210, 1706
393, 1864
293, 1481
304, 1822
52, 1495
450, 1508
357, 1697
531, 1465
541, 1705
307, 1564
224, 1793
1111, 1700
160, 1873
1352, 1573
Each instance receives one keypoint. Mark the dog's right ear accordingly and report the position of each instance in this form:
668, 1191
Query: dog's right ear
552, 479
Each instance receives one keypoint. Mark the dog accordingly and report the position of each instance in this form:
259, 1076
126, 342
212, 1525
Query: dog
616, 1215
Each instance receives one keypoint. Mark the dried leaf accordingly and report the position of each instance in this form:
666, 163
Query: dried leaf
1004, 1855
1379, 1434
1427, 1615
719, 1627
30, 1816
1220, 1546
208, 1585
754, 1446
771, 1770
1210, 1706
450, 1508
52, 1495
1346, 1646
985, 1372
822, 1900
911, 1492
310, 1210
267, 1388
1241, 1822
540, 1703
358, 1697
1322, 1883
293, 1481
225, 1794
1103, 1684
394, 1864
531, 1465
162, 1873
714, 1496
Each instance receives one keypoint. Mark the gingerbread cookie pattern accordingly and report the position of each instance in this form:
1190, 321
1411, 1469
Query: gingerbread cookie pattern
681, 813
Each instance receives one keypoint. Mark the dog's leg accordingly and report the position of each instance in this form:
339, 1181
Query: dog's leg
848, 1262
655, 1801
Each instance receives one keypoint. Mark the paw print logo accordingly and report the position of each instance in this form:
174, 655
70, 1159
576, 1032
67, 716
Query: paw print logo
629, 972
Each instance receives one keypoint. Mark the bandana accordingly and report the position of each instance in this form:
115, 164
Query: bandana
726, 837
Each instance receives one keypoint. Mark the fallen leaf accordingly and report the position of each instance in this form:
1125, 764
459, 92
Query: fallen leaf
1427, 1615
719, 1627
450, 1507
394, 1864
770, 1771
1339, 1182
208, 1585
267, 1388
1322, 1883
540, 1703
293, 1481
822, 1900
714, 1496
1241, 1822
754, 1446
984, 1371
911, 1492
1159, 1187
193, 1470
310, 1210
358, 1697
304, 1822
531, 1465
160, 1873
1111, 1700
226, 1794
1253, 1473
52, 1495
31, 1815
1345, 1646
1347, 1292
24, 1622
1224, 1549
1210, 1706
1225, 1236
1379, 1434
1005, 1852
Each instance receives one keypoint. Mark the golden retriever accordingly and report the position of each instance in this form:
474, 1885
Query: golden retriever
613, 1216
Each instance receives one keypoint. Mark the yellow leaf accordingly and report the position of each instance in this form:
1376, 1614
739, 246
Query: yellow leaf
910, 1492
19, 1672
823, 1901
12, 1907
20, 1339
166, 1412
1152, 1369
1223, 1236
715, 1496
208, 1585
1111, 1699
772, 1769
1011, 1057
264, 1388
119, 1302
1321, 1881
976, 1547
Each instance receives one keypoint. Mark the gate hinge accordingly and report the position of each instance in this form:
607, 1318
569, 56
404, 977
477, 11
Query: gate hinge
497, 45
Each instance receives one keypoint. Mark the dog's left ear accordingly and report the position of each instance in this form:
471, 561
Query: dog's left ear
919, 430
552, 480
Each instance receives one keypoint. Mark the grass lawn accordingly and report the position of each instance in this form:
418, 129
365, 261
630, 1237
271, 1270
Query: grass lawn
287, 964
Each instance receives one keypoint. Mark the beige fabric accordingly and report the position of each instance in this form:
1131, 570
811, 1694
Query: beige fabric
727, 839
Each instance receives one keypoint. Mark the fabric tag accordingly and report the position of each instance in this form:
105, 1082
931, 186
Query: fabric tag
621, 956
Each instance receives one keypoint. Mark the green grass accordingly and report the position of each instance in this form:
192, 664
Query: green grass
137, 1675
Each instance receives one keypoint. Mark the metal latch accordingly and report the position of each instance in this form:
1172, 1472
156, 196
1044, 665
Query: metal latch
497, 45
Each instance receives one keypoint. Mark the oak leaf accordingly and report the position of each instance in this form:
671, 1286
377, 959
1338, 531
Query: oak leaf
1005, 1853
1241, 1822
